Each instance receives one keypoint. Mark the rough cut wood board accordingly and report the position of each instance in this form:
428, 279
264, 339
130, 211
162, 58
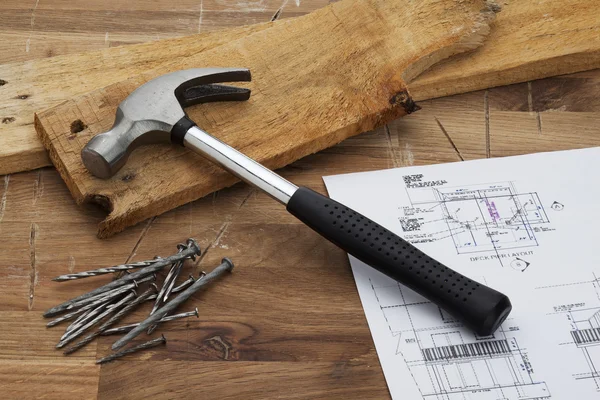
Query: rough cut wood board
317, 80
528, 41
54, 28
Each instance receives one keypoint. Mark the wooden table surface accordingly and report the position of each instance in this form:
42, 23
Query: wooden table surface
288, 322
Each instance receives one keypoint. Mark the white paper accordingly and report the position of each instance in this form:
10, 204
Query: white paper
526, 226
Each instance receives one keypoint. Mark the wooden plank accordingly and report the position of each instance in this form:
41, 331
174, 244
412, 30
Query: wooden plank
542, 55
528, 41
351, 80
47, 30
35, 84
53, 380
266, 380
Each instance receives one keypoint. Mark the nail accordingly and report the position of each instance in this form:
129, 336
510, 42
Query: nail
129, 307
167, 286
127, 328
226, 266
70, 315
190, 252
85, 341
79, 322
172, 272
103, 271
143, 346
184, 285
102, 297
171, 278
111, 294
74, 334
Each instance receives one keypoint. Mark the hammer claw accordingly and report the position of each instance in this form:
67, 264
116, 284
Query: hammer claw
213, 92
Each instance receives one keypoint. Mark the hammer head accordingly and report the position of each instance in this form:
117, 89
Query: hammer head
149, 114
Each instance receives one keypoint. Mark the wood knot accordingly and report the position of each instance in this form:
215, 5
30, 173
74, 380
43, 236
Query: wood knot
8, 120
77, 126
128, 177
222, 344
404, 100
3, 82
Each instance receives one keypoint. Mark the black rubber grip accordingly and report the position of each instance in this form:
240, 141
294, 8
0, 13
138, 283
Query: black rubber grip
479, 307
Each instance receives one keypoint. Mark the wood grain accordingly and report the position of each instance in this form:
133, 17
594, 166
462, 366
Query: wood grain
48, 82
289, 316
529, 40
321, 339
55, 31
37, 84
317, 80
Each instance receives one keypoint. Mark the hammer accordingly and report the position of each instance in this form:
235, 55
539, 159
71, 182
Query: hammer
154, 113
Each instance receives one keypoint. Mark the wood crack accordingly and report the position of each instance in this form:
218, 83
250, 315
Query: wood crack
486, 107
252, 190
201, 15
33, 273
31, 23
38, 187
139, 241
213, 243
449, 139
538, 117
4, 196
388, 136
277, 14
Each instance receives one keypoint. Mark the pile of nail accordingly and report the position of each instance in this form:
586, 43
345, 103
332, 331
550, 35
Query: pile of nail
108, 304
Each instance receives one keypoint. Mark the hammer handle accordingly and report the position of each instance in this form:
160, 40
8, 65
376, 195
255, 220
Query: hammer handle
479, 307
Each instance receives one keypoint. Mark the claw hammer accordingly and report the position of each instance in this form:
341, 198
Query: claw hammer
154, 113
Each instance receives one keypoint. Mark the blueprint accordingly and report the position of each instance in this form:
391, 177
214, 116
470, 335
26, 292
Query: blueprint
527, 226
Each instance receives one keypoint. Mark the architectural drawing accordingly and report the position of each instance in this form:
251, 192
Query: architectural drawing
448, 362
488, 218
580, 313
525, 225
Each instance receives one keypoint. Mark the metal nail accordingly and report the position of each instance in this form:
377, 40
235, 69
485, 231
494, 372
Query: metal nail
171, 278
102, 297
143, 346
125, 310
127, 328
82, 343
184, 285
111, 294
128, 307
190, 252
79, 313
79, 322
225, 266
167, 286
103, 271
172, 272
83, 328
